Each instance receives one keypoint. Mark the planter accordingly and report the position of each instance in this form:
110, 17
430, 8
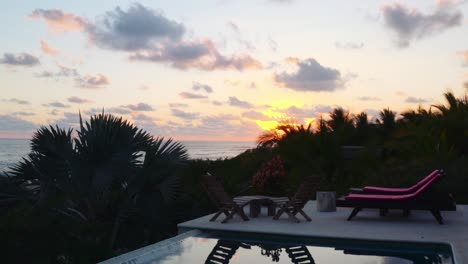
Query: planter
326, 201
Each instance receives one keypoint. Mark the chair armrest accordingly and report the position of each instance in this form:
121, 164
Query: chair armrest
243, 191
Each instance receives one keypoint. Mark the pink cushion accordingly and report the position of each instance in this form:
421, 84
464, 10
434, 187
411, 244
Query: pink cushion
380, 197
402, 190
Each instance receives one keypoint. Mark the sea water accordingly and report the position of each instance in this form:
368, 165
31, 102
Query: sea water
12, 150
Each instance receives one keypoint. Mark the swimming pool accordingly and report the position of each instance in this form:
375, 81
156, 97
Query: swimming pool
222, 247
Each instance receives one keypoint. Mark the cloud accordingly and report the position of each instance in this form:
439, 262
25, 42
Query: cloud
16, 101
369, 98
12, 123
198, 86
138, 28
255, 115
306, 112
465, 85
56, 104
23, 114
188, 95
92, 81
349, 45
234, 101
412, 99
311, 76
142, 117
47, 49
409, 24
273, 44
110, 110
62, 72
20, 59
281, 1
59, 21
78, 100
218, 103
174, 105
464, 56
184, 115
202, 55
139, 107
233, 27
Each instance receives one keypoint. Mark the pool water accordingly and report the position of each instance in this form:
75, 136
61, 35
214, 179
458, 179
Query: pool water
203, 247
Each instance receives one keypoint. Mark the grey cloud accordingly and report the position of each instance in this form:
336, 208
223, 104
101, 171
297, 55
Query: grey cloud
137, 28
201, 55
234, 101
20, 59
111, 110
178, 105
273, 44
199, 86
409, 24
92, 81
349, 45
16, 101
187, 95
184, 115
233, 27
311, 76
369, 98
142, 117
255, 115
139, 107
63, 72
9, 123
56, 104
465, 85
23, 114
412, 99
78, 100
218, 103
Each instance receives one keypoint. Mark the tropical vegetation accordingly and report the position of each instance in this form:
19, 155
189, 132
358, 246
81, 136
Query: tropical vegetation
109, 187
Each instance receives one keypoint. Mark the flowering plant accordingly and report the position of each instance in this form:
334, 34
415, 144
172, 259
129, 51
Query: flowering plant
271, 176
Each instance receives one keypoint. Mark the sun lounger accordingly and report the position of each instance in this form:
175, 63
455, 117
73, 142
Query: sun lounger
418, 200
396, 191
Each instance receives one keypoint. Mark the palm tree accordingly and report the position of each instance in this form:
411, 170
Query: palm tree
452, 122
112, 174
387, 123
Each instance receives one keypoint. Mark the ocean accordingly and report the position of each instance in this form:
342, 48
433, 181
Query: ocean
12, 150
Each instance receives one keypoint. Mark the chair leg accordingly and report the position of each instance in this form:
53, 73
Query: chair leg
231, 214
305, 215
216, 215
354, 213
242, 214
279, 213
438, 216
292, 216
383, 211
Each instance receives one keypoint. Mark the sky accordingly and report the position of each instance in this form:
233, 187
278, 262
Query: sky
225, 69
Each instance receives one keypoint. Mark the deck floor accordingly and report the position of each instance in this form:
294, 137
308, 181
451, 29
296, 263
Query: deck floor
420, 226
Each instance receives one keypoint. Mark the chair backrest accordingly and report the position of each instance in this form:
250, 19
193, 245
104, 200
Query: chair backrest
305, 192
215, 190
423, 181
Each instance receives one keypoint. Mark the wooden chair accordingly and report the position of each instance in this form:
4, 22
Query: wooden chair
295, 205
222, 200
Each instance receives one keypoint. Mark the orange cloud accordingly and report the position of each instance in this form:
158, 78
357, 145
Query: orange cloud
59, 21
47, 49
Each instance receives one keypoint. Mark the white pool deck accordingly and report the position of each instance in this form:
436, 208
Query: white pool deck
420, 226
